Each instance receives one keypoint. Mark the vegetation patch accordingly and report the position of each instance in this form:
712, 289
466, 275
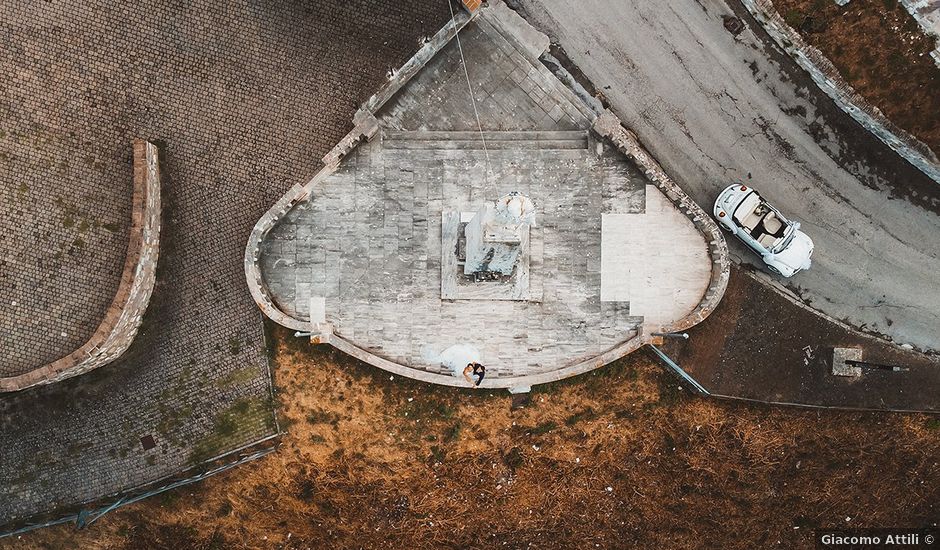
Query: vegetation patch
244, 413
237, 377
602, 468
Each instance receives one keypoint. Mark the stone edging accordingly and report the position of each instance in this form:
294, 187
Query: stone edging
828, 79
609, 126
123, 317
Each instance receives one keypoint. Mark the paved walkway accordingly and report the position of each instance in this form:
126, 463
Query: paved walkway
368, 241
642, 251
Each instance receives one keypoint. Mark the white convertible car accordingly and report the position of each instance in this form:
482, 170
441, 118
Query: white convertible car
783, 247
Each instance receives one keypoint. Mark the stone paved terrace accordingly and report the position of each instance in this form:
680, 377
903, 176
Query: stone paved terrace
243, 98
368, 240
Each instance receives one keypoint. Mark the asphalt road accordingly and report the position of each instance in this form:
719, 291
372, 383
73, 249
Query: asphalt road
715, 109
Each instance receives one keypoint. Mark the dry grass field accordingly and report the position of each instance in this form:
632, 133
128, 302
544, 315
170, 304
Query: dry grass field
621, 457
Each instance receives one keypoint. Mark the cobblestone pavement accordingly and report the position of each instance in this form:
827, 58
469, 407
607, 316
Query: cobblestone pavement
243, 98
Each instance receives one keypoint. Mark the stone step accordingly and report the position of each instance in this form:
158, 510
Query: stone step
577, 139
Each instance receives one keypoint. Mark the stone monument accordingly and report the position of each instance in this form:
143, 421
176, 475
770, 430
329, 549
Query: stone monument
495, 234
486, 254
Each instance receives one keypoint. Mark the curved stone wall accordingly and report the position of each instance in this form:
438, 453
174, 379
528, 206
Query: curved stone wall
123, 318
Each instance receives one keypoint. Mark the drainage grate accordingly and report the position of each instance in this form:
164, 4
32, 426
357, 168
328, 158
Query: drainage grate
147, 442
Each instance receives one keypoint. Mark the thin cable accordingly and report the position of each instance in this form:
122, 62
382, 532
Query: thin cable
476, 114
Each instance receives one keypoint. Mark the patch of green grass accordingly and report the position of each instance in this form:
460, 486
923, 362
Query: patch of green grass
322, 417
112, 227
513, 459
437, 454
669, 443
76, 449
933, 424
68, 221
234, 346
625, 414
168, 498
428, 408
237, 377
793, 17
226, 423
172, 419
452, 433
596, 380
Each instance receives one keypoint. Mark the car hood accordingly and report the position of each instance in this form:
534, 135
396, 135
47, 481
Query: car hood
795, 257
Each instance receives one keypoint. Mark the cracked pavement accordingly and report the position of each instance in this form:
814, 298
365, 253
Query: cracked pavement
715, 109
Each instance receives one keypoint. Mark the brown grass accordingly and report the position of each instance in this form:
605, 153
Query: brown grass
882, 52
616, 458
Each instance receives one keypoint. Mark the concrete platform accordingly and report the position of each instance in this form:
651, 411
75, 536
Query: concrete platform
364, 237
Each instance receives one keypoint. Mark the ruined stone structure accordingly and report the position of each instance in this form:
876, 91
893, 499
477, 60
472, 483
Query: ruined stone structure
410, 242
496, 233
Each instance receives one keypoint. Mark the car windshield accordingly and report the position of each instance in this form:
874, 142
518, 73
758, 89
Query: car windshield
746, 208
783, 244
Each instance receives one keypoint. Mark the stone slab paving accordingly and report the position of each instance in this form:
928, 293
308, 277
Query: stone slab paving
650, 260
370, 243
66, 206
367, 241
243, 99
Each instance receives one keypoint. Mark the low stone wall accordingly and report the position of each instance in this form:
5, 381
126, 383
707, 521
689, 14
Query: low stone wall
827, 77
122, 320
609, 126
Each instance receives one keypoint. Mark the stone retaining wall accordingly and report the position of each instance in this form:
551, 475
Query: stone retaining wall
827, 77
119, 326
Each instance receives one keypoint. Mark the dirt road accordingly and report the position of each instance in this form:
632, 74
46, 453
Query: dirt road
715, 109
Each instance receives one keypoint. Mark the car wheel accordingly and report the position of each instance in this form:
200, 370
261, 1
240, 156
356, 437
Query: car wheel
774, 269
